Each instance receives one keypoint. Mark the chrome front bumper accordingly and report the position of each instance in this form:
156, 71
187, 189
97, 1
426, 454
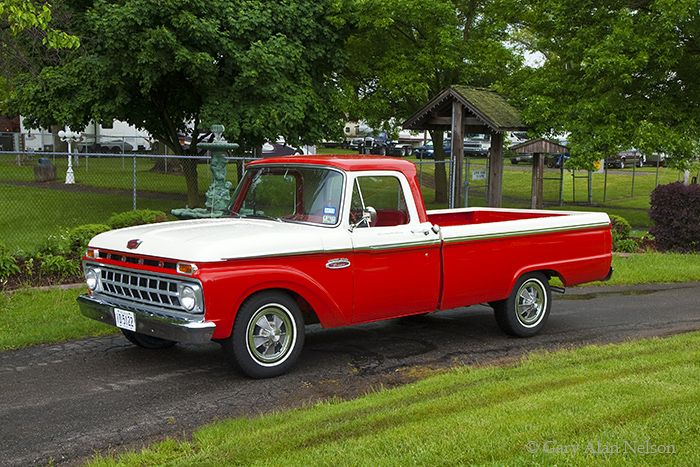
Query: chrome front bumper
187, 330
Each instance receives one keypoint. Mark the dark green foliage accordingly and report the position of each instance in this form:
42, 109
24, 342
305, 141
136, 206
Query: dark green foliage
57, 244
621, 241
262, 69
615, 75
620, 227
138, 217
675, 212
80, 236
8, 263
58, 266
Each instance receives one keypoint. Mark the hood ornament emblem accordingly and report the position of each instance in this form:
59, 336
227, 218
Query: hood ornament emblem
134, 244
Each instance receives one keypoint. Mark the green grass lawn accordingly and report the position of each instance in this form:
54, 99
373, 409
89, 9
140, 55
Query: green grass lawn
33, 316
616, 405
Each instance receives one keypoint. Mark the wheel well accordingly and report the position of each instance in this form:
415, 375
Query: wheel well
552, 273
307, 311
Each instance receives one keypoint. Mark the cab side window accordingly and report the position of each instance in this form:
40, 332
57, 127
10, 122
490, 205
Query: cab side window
385, 195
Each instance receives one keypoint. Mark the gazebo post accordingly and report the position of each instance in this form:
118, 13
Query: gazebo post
457, 150
496, 170
537, 194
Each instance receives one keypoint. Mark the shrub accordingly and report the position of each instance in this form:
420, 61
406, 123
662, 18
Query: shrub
620, 227
138, 217
80, 236
626, 245
8, 263
58, 244
58, 266
675, 212
621, 241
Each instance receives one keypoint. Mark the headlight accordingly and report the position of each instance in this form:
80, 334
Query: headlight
188, 298
92, 278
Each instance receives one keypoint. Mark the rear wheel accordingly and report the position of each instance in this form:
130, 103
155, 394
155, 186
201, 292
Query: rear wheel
267, 336
146, 341
525, 312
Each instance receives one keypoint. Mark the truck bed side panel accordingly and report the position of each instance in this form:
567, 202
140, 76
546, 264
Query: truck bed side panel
482, 266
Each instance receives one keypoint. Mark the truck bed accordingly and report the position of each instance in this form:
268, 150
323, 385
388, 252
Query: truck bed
470, 216
486, 249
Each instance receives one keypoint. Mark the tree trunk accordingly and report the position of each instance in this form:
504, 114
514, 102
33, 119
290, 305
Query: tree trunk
440, 169
163, 165
189, 167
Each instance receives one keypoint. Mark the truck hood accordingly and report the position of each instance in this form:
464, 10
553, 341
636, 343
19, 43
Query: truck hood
210, 240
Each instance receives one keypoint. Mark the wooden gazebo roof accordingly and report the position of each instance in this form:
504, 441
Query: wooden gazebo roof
486, 112
539, 146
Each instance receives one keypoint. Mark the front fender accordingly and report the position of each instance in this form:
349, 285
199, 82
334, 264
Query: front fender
225, 290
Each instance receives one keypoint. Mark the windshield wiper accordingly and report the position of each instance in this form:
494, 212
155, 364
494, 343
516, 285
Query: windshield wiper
261, 216
229, 213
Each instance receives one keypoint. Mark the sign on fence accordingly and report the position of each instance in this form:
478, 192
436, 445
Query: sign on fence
479, 174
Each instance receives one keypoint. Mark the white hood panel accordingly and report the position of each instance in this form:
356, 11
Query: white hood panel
209, 240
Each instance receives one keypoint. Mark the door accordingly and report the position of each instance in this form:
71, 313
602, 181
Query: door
396, 259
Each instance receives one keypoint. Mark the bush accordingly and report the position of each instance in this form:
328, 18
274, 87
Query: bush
80, 236
8, 263
138, 217
675, 212
58, 244
620, 227
58, 266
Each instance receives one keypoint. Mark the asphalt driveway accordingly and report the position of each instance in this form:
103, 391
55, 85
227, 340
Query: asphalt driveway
63, 402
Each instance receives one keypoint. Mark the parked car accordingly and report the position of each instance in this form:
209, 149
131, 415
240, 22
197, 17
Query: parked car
524, 158
117, 146
425, 151
384, 146
280, 148
625, 158
356, 143
556, 160
655, 159
472, 148
328, 240
550, 160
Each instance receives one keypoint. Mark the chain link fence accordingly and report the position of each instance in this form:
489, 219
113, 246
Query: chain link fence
129, 174
46, 193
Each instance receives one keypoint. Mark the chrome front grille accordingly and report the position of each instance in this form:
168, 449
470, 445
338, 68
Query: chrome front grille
141, 289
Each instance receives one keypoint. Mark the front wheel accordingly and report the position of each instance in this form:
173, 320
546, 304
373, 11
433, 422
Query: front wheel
267, 336
525, 312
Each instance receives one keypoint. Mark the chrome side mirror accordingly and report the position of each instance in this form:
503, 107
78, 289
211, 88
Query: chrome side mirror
369, 215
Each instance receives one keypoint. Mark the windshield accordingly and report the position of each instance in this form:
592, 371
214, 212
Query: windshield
300, 194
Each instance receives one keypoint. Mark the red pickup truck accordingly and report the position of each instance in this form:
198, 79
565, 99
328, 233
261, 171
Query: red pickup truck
336, 241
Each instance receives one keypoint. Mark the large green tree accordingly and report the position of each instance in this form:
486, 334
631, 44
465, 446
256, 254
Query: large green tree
262, 69
616, 75
405, 52
19, 16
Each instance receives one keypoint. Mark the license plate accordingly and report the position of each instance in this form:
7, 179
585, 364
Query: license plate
124, 319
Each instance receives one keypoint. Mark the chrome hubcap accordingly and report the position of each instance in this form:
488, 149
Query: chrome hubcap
531, 304
270, 334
